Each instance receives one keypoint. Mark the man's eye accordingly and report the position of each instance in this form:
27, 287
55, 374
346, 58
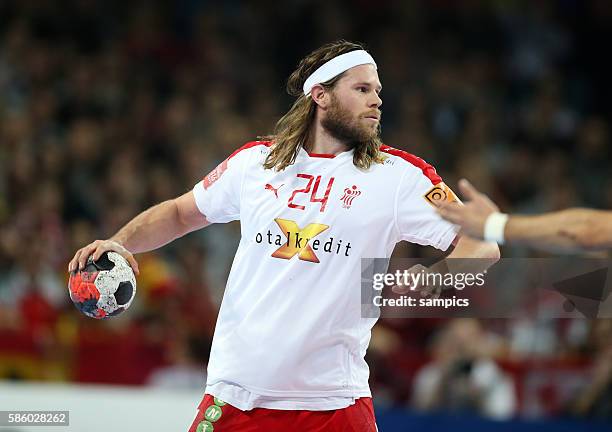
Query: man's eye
362, 89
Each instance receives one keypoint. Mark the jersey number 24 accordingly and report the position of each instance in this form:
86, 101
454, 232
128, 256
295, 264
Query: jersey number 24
313, 193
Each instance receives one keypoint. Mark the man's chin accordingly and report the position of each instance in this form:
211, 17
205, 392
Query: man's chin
370, 133
355, 136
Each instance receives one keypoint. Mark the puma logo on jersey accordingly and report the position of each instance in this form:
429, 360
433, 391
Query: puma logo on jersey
273, 189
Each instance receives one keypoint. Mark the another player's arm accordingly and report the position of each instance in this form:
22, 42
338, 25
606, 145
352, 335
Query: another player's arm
149, 230
571, 230
568, 230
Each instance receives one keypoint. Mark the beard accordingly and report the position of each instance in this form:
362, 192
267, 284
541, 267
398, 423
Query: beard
341, 124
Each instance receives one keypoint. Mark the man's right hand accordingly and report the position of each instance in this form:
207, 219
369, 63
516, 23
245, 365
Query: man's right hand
97, 248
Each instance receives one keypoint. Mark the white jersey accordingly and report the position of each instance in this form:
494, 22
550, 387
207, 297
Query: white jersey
290, 333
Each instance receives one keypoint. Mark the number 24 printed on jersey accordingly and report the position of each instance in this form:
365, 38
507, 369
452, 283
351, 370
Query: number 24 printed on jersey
311, 189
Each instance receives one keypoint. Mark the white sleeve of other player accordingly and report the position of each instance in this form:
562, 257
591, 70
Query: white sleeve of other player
218, 194
415, 216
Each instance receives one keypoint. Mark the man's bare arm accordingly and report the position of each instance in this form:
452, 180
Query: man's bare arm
467, 247
149, 230
161, 224
570, 230
477, 256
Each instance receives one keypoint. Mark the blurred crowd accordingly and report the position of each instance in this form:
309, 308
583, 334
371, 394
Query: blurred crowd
109, 107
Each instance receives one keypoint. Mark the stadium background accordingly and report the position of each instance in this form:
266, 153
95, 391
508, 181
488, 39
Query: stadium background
108, 107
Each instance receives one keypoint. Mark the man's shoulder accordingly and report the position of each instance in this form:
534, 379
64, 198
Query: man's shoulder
406, 160
251, 146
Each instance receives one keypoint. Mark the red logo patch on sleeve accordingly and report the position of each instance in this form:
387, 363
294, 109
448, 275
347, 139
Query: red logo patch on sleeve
215, 174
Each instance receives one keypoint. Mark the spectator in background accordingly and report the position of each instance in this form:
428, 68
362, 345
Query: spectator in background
187, 368
463, 376
595, 399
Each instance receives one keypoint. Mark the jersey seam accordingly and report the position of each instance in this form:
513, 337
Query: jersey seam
242, 180
430, 241
396, 204
304, 405
199, 197
297, 393
450, 230
419, 163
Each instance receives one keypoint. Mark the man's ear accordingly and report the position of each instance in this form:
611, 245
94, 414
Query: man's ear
320, 96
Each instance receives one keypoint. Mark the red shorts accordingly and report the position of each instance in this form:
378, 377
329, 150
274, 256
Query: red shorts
215, 415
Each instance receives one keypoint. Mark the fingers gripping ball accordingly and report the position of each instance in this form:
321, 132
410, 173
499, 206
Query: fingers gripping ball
103, 288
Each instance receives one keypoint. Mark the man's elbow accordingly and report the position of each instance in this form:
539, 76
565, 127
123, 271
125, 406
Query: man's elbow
187, 216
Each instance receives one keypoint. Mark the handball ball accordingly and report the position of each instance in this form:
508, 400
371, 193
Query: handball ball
103, 288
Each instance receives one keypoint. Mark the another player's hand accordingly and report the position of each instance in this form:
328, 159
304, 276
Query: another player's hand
96, 249
471, 216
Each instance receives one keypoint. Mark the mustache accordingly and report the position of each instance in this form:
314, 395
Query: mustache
375, 113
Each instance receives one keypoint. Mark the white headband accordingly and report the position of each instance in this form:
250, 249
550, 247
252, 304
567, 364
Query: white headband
336, 66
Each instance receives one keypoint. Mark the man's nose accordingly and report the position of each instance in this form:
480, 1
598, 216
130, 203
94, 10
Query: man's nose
376, 101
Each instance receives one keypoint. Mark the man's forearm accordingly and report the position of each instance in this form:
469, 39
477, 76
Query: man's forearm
472, 256
469, 256
152, 228
569, 230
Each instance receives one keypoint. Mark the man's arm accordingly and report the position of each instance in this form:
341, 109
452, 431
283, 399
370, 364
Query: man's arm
469, 256
570, 230
149, 230
477, 256
466, 247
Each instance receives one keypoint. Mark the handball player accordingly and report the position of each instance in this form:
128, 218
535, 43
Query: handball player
312, 199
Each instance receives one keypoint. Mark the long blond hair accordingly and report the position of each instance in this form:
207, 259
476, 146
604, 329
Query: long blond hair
293, 129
